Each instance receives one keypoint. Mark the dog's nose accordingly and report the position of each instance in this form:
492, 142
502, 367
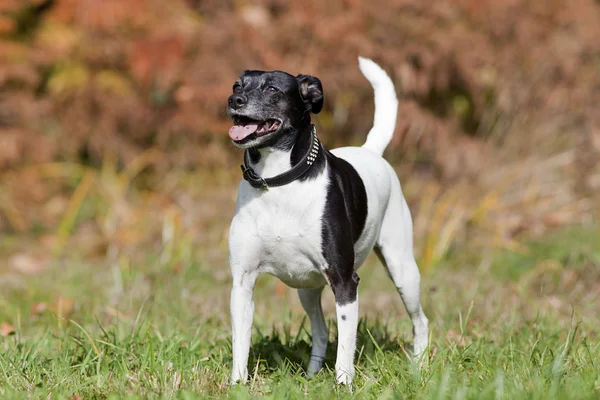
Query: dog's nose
237, 101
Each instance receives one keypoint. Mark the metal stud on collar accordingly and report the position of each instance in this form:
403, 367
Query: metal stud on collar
314, 152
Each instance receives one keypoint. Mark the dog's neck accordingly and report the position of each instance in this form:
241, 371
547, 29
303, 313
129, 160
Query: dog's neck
270, 161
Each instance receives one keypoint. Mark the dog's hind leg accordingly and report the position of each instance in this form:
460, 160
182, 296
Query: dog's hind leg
395, 250
311, 301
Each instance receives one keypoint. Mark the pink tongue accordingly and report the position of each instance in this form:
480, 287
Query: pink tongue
239, 132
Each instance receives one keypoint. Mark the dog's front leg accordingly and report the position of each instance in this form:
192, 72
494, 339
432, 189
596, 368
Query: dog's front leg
346, 307
242, 313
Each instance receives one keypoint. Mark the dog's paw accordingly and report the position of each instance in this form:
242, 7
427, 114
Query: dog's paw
343, 376
419, 356
311, 372
238, 379
420, 342
314, 366
419, 350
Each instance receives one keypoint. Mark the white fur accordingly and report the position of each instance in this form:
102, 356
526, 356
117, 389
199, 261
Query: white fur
278, 231
347, 320
242, 312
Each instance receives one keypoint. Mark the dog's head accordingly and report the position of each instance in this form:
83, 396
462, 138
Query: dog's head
268, 107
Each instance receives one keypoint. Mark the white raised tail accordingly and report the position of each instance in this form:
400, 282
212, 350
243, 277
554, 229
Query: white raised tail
386, 106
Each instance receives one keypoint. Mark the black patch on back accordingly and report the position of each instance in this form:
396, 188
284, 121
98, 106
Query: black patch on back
343, 221
346, 196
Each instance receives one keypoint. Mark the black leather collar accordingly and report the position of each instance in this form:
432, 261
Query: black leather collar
258, 182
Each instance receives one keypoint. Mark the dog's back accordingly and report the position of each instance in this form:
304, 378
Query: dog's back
380, 180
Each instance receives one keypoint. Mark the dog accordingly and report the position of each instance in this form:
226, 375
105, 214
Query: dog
310, 216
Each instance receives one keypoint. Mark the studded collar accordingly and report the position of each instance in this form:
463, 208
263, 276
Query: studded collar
258, 182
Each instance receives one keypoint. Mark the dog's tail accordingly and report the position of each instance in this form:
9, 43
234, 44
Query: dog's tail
386, 106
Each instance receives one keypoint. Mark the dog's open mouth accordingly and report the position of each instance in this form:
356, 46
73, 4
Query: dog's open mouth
244, 127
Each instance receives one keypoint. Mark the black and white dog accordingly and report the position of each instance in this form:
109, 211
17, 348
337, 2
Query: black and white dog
311, 216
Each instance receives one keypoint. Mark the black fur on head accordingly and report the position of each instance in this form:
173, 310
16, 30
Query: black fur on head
311, 92
272, 108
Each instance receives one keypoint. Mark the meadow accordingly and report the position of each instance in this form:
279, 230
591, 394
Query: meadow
507, 325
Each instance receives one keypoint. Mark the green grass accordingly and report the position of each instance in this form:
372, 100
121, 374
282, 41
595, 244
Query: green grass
145, 329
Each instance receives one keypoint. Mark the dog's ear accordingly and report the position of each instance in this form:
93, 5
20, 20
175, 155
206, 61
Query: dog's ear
311, 92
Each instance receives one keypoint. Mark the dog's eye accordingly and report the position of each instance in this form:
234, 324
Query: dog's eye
237, 88
271, 90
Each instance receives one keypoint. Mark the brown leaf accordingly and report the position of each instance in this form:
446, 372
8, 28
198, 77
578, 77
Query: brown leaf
10, 5
7, 25
157, 61
6, 329
10, 146
108, 14
39, 308
27, 264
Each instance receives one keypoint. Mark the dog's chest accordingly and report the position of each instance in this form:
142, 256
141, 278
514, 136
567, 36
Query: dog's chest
285, 224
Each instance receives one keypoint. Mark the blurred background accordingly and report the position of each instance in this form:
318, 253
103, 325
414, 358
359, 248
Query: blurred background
118, 183
113, 135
